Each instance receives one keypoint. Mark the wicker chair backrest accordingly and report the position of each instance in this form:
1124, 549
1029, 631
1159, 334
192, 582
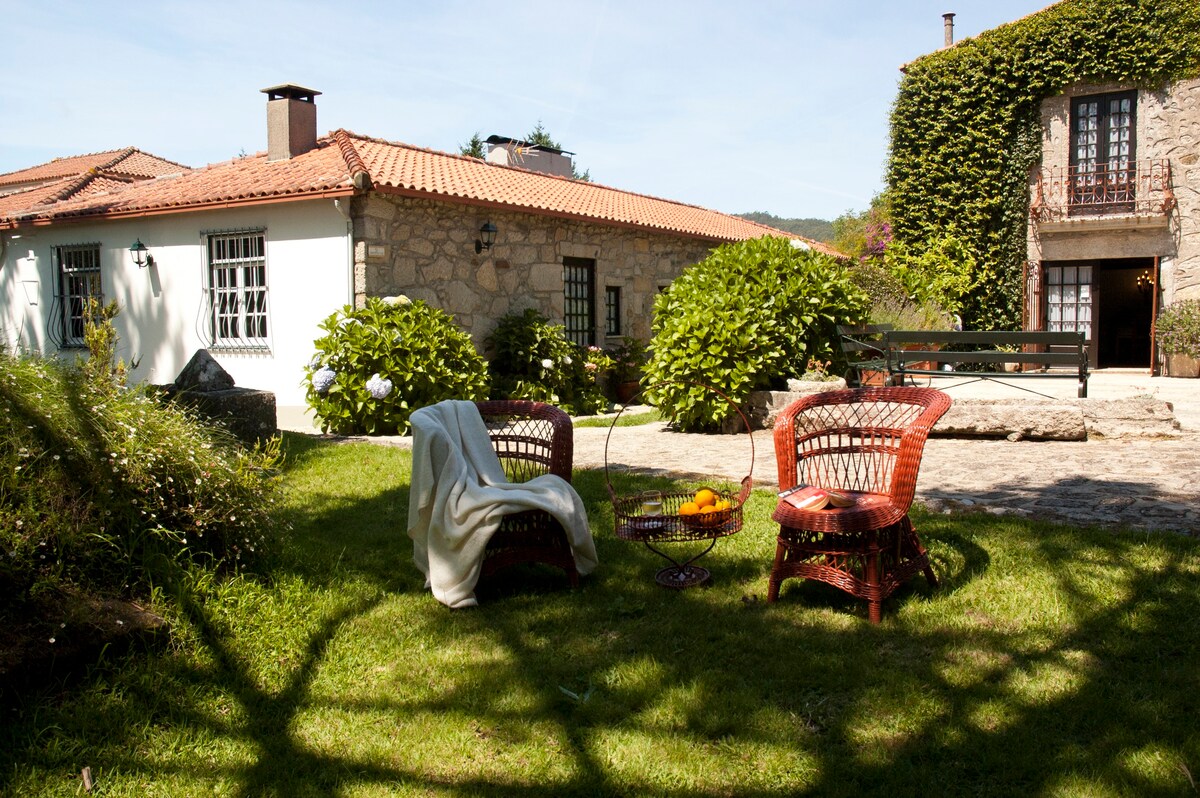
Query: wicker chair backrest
869, 440
530, 438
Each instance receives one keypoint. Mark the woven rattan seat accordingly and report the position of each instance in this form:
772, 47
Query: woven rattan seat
531, 439
866, 443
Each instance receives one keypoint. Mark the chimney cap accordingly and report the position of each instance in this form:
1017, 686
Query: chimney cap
290, 91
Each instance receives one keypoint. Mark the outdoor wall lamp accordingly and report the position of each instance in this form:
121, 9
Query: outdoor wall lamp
141, 256
487, 237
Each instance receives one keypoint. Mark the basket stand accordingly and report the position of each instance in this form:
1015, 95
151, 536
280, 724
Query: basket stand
672, 527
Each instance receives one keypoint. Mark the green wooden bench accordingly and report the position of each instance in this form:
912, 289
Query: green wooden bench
864, 349
921, 353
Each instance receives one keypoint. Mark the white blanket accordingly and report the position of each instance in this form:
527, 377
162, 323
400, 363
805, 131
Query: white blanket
459, 494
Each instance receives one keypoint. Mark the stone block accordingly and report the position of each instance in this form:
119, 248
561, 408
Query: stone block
203, 373
247, 413
1013, 419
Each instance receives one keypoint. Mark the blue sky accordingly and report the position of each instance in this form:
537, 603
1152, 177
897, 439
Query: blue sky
738, 106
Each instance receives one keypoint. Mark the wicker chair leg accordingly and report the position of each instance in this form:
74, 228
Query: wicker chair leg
875, 591
776, 578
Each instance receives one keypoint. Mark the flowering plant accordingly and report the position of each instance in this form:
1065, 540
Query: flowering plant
532, 359
1178, 328
378, 363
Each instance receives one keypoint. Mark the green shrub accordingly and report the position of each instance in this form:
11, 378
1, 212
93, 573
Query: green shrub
98, 480
1178, 328
890, 302
377, 364
532, 359
748, 317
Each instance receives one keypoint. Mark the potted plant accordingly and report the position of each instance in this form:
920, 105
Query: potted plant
1177, 333
626, 374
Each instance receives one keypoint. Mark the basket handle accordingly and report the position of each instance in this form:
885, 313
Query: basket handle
746, 482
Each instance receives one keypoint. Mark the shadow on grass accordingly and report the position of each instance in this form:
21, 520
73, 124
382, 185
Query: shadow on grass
1050, 660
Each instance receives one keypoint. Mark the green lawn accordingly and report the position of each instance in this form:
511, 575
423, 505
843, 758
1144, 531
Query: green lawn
1050, 661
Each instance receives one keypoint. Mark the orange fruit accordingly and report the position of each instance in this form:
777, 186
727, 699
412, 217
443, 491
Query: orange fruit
709, 509
689, 508
705, 498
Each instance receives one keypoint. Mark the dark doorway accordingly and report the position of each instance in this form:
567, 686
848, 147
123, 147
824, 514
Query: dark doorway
1124, 297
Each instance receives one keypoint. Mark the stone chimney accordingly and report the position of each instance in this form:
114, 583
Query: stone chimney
948, 28
291, 121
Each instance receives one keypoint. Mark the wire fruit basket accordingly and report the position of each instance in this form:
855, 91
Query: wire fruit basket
654, 517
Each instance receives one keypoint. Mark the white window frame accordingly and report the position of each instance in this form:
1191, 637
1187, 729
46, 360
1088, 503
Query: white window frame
238, 315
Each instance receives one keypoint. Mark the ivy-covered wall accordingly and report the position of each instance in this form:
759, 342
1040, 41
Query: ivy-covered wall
966, 125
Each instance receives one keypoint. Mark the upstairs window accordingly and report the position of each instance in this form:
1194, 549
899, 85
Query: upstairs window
78, 270
1103, 166
237, 290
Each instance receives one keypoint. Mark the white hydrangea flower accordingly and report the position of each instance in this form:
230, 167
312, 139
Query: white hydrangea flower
547, 363
379, 387
401, 299
567, 361
322, 379
315, 362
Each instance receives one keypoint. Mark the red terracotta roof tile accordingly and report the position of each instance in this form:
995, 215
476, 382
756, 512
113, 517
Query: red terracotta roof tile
344, 162
127, 161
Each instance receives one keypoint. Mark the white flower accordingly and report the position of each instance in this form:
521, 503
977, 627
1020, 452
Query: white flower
397, 300
567, 361
379, 387
322, 379
315, 363
547, 363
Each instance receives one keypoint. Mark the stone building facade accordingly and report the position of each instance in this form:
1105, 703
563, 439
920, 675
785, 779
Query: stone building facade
425, 249
1114, 232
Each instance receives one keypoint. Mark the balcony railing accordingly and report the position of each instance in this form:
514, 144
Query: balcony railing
1141, 189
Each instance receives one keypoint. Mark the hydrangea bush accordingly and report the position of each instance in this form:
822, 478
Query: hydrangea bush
377, 364
532, 359
748, 317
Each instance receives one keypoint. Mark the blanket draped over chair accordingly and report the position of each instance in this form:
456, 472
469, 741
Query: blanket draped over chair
459, 494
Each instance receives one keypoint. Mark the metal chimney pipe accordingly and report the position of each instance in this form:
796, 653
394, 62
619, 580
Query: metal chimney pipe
948, 27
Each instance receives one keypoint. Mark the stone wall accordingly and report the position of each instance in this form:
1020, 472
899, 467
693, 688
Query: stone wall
1167, 127
426, 250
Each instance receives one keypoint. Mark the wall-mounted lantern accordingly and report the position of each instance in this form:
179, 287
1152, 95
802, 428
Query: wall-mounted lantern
141, 256
487, 237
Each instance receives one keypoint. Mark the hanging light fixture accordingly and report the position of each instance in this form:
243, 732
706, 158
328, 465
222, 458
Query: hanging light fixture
487, 237
1144, 282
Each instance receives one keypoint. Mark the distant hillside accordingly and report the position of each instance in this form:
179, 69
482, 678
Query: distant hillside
816, 229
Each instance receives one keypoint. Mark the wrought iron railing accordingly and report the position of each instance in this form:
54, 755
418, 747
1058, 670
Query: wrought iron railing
1142, 188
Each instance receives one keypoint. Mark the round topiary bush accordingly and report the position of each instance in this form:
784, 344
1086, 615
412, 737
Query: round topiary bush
747, 318
532, 359
377, 364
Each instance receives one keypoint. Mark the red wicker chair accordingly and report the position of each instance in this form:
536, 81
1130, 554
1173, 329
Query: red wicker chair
867, 443
531, 439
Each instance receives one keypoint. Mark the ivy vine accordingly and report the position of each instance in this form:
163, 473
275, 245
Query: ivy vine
966, 128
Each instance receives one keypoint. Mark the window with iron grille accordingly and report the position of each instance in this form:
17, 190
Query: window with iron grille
579, 295
237, 290
78, 281
612, 310
1103, 163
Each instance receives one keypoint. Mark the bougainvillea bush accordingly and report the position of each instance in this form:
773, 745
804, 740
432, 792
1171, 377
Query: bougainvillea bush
748, 317
531, 358
377, 364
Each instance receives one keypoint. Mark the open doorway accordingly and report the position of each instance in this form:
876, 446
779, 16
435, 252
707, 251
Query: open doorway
1124, 291
1109, 300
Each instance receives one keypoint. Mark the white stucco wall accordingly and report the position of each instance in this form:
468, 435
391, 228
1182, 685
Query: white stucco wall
309, 275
